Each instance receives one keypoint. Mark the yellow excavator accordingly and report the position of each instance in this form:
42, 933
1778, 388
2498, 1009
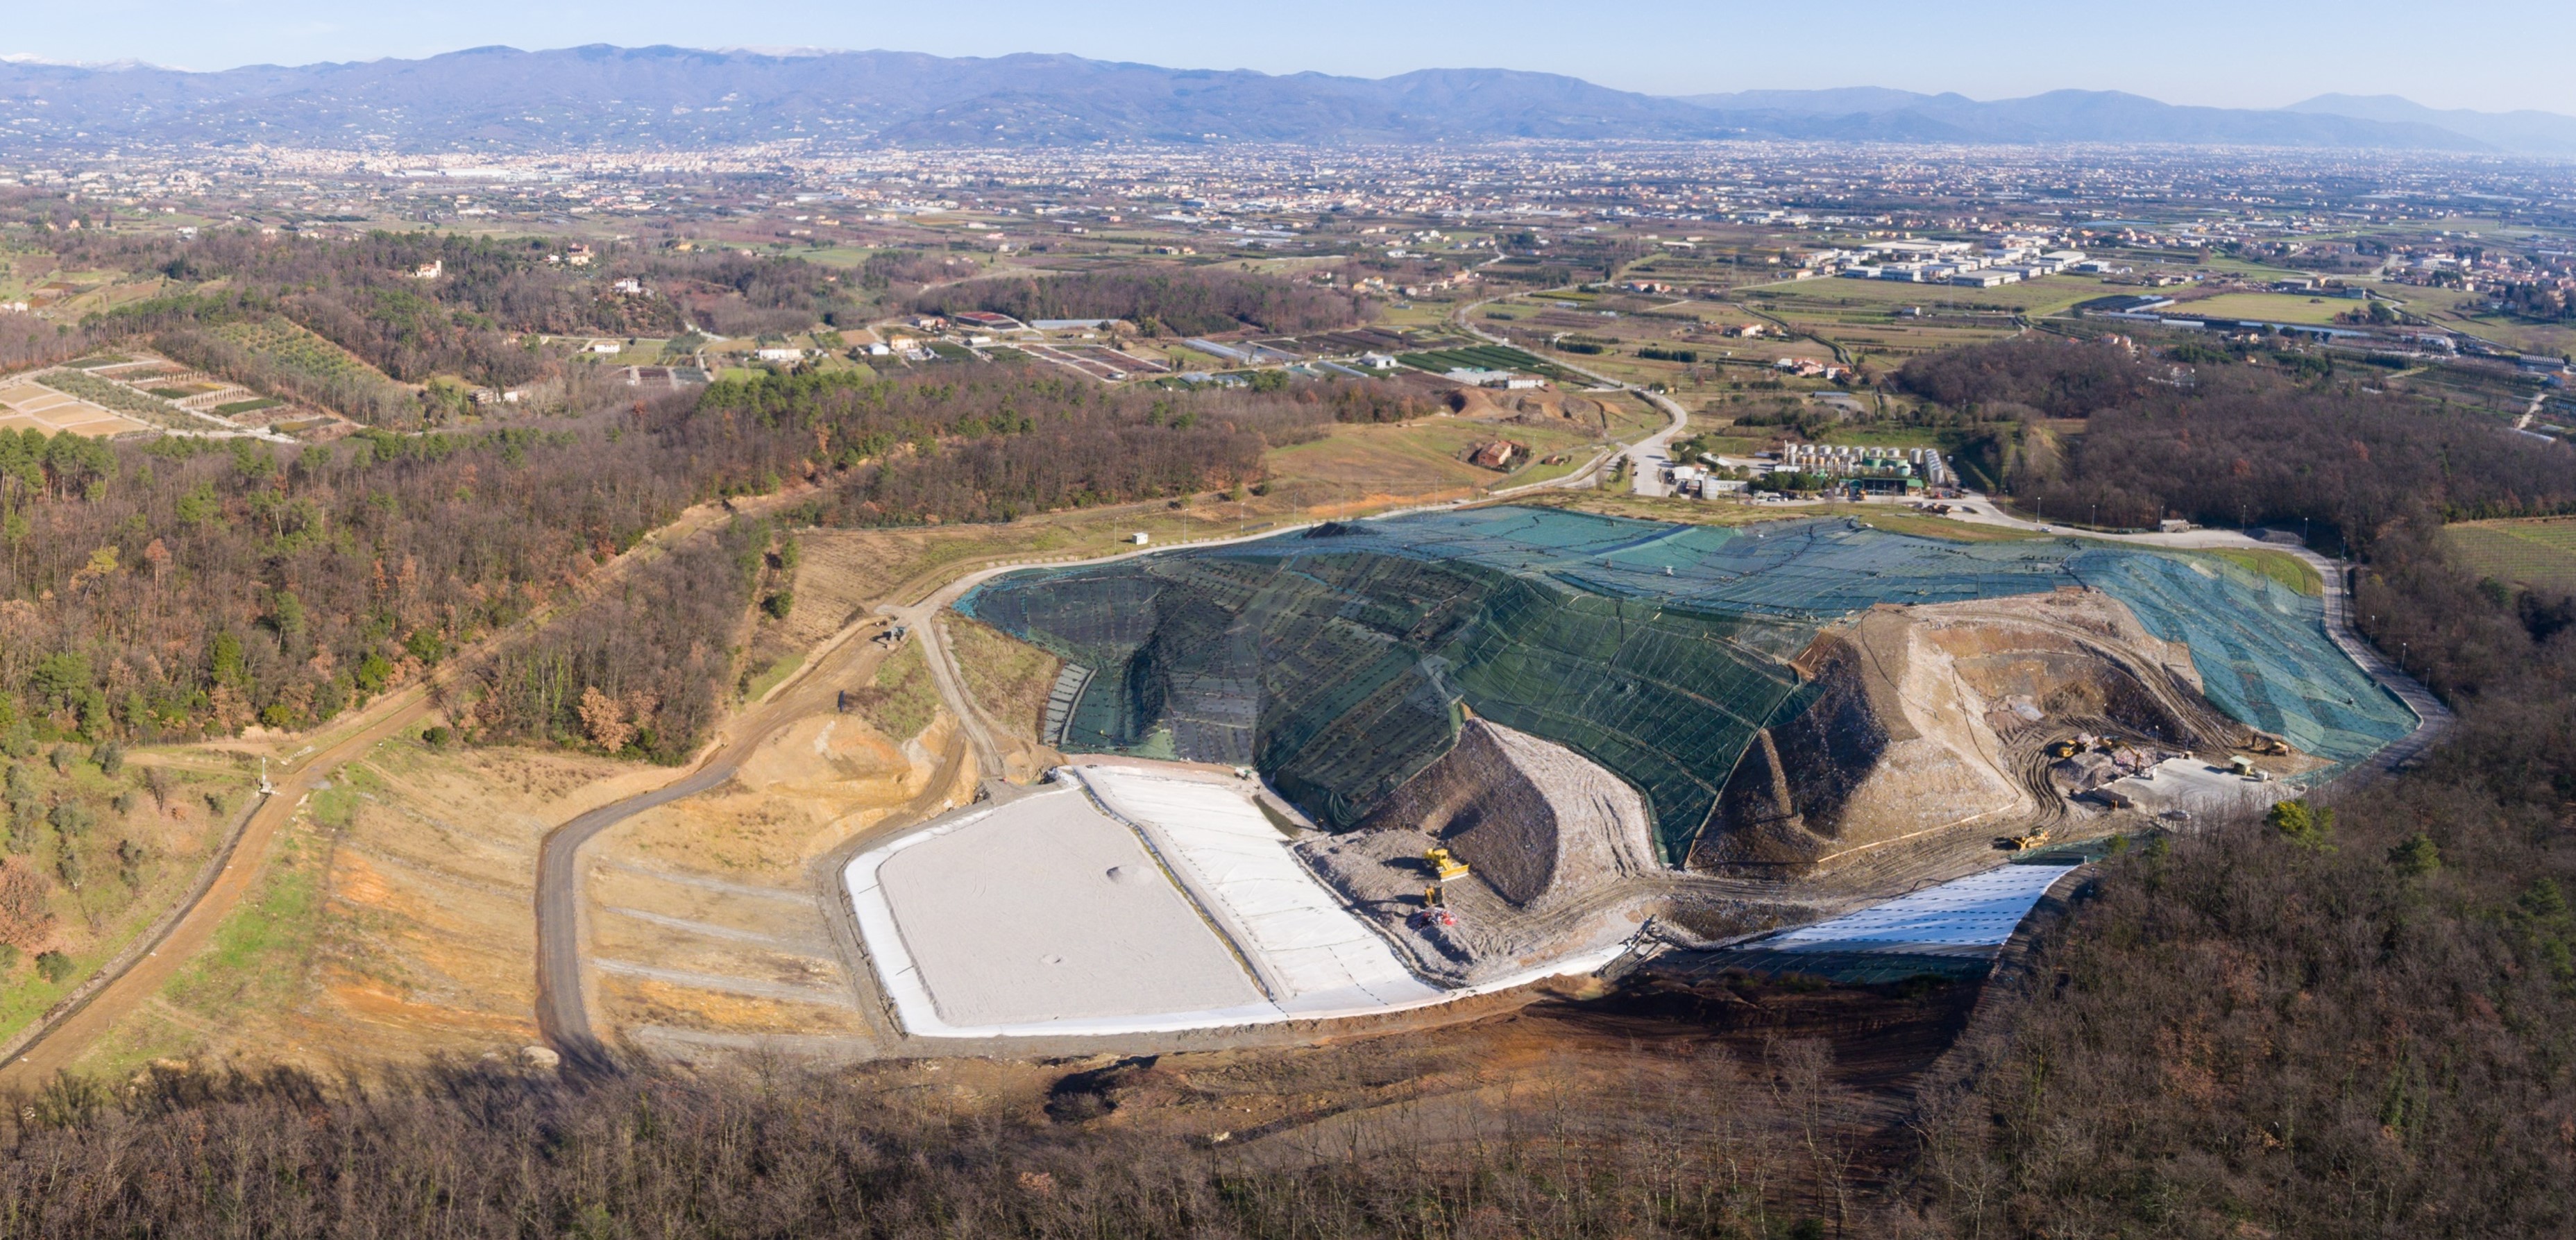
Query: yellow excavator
2024, 843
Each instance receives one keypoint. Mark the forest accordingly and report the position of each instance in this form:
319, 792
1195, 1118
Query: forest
187, 588
2348, 1019
1193, 302
2231, 444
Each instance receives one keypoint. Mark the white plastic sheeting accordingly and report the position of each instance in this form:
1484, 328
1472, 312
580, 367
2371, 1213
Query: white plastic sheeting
1316, 958
1973, 915
1043, 909
1310, 952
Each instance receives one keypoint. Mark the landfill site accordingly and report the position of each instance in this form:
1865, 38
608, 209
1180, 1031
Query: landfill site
1371, 767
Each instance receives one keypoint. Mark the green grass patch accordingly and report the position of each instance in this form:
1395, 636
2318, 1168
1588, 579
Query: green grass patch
258, 958
1009, 678
2280, 566
2539, 552
759, 686
901, 700
2271, 307
247, 406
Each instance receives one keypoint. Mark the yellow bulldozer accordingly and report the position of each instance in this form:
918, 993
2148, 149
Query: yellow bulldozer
1443, 866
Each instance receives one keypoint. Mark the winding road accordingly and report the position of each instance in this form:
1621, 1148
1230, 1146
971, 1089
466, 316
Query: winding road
134, 977
55, 1043
1646, 458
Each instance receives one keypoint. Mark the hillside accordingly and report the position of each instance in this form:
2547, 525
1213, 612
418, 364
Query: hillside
500, 99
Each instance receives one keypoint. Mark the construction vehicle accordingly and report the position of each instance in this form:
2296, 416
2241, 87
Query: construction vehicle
1443, 866
2025, 842
2064, 749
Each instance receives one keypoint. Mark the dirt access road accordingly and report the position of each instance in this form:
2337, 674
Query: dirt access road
63, 1038
59, 1040
2432, 718
563, 1010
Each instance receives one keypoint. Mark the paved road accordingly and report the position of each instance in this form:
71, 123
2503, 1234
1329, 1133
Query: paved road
1646, 458
563, 1010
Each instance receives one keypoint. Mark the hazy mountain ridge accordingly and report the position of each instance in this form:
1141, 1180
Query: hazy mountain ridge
503, 99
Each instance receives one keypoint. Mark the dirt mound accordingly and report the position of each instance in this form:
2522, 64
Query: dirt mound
1536, 820
1921, 719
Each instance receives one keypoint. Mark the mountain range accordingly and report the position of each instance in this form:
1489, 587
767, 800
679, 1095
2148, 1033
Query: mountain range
500, 99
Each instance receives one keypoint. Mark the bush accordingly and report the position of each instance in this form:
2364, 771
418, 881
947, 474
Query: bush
2416, 856
110, 757
779, 604
2307, 825
63, 757
53, 966
72, 819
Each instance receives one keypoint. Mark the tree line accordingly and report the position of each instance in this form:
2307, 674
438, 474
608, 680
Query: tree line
2232, 445
1195, 301
187, 588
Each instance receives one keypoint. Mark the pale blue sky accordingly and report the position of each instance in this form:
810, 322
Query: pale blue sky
2488, 54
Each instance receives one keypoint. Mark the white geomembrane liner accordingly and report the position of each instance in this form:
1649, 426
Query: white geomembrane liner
1310, 952
1315, 957
1975, 913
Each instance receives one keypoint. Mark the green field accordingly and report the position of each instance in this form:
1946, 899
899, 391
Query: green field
1479, 357
2046, 295
2272, 307
2539, 552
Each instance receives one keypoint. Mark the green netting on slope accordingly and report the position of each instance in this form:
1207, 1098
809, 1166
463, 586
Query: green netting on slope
1335, 659
2259, 646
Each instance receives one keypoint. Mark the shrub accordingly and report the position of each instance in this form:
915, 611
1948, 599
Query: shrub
53, 966
2306, 825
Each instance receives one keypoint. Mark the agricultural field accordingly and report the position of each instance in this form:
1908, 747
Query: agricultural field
2538, 552
2460, 311
1886, 322
1475, 357
27, 406
301, 356
103, 395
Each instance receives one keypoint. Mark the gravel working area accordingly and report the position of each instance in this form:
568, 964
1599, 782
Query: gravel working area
2201, 790
1039, 911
